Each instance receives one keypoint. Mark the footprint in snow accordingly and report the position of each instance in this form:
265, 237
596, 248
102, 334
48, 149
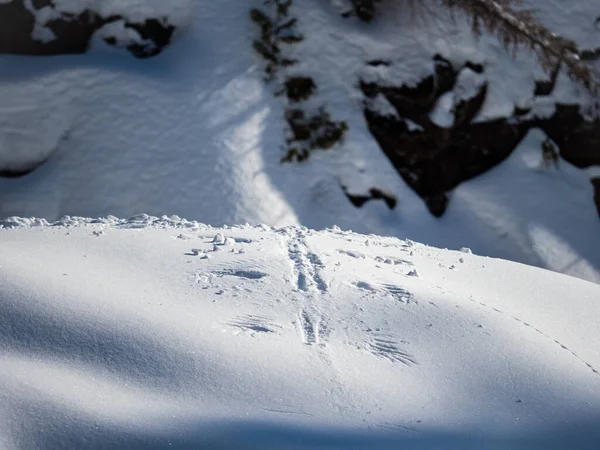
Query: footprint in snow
397, 292
241, 273
364, 286
314, 328
254, 324
388, 347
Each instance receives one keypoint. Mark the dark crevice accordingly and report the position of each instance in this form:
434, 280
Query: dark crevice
359, 200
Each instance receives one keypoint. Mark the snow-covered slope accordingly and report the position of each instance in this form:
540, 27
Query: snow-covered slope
196, 132
147, 333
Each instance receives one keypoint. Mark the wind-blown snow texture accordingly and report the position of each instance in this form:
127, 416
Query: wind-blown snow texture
148, 333
195, 132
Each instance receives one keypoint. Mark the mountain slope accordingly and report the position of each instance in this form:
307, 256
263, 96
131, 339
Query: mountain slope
146, 333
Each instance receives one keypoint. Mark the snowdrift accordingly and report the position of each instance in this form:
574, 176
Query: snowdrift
148, 333
195, 131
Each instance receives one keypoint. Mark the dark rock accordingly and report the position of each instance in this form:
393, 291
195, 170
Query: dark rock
543, 88
546, 87
466, 110
521, 110
577, 138
374, 194
433, 160
445, 75
592, 54
16, 26
156, 34
74, 32
299, 88
475, 67
437, 204
364, 9
417, 101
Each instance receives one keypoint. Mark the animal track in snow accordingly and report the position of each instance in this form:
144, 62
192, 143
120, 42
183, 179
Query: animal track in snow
398, 292
363, 285
537, 330
314, 329
241, 240
308, 267
387, 347
241, 273
253, 323
315, 268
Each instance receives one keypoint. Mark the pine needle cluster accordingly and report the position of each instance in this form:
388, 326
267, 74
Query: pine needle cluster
518, 28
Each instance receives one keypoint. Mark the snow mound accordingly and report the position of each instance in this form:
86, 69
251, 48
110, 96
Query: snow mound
153, 332
195, 131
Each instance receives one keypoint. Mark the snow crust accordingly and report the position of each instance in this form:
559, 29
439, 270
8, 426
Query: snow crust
119, 333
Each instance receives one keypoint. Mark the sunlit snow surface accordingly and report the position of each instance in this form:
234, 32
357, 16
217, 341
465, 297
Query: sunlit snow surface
156, 333
196, 132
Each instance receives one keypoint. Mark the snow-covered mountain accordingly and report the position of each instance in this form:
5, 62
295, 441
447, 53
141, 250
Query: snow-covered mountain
195, 130
164, 333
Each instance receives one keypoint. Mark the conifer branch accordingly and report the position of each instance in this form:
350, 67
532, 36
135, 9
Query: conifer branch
516, 28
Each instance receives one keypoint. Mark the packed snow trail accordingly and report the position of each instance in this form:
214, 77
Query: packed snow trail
151, 332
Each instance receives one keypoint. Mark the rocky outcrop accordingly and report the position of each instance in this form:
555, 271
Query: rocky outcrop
37, 27
578, 138
433, 159
21, 32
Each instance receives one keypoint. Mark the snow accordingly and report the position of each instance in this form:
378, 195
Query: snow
117, 30
114, 333
196, 132
442, 114
176, 12
151, 332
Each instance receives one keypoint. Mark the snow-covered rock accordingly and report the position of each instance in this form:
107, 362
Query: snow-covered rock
196, 132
